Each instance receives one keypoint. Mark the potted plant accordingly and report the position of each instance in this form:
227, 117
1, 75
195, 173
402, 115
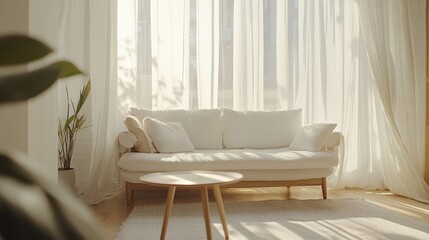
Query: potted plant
67, 132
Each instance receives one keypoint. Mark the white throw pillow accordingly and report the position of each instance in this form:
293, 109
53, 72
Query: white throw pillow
257, 129
144, 142
334, 140
312, 137
168, 137
202, 126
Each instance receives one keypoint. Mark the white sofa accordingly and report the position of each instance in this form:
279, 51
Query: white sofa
253, 143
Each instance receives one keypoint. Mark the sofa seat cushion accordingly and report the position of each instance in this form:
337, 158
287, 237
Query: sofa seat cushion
228, 159
254, 175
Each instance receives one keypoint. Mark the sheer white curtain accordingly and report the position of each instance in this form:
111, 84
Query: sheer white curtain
106, 121
248, 58
322, 68
207, 52
323, 56
389, 41
283, 54
87, 35
170, 53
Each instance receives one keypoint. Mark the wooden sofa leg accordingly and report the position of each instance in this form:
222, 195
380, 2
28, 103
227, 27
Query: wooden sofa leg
324, 189
130, 195
288, 192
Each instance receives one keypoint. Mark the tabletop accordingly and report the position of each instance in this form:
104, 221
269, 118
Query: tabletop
191, 178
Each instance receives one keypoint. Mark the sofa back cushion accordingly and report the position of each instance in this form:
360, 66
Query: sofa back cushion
202, 126
257, 129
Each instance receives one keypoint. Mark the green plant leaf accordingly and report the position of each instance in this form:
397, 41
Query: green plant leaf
67, 69
70, 120
23, 86
80, 122
17, 49
83, 95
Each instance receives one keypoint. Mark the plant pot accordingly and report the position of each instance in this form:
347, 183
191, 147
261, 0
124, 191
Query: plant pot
67, 178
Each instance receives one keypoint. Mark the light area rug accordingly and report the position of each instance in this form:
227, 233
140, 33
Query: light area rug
288, 219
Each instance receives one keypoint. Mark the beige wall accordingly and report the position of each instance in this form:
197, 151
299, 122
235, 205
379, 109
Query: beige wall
13, 117
30, 127
14, 16
427, 93
43, 110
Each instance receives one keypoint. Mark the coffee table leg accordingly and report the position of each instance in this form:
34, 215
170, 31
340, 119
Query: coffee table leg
168, 207
205, 201
219, 203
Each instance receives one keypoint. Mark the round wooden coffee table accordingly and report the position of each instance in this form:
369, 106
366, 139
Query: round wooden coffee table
194, 179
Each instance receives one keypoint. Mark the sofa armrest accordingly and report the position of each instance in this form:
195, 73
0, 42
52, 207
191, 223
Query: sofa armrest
126, 139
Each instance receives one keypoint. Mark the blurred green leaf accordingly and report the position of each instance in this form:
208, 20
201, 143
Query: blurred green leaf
67, 69
17, 49
8, 168
26, 192
23, 86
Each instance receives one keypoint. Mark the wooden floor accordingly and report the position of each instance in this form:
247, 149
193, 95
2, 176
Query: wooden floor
113, 212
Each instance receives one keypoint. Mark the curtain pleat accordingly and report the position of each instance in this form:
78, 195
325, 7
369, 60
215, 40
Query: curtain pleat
248, 87
207, 45
385, 27
104, 174
170, 53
